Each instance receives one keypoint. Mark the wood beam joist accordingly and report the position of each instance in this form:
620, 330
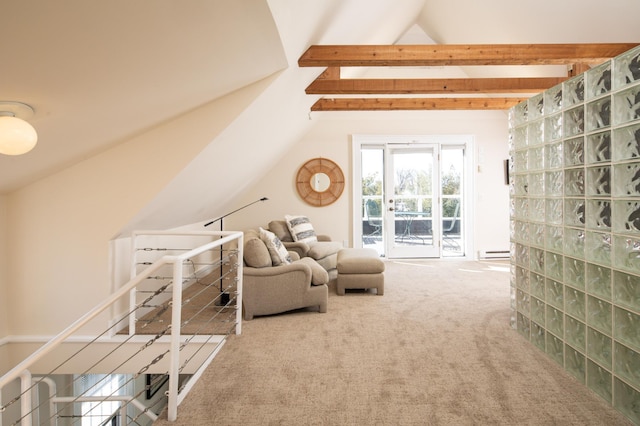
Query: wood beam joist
407, 104
459, 55
323, 86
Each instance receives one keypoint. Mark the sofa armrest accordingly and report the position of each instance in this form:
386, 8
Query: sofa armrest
323, 238
298, 247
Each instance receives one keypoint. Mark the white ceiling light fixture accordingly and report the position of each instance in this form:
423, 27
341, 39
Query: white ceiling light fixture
17, 137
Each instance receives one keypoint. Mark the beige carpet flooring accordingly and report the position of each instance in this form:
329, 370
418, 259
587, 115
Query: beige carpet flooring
436, 349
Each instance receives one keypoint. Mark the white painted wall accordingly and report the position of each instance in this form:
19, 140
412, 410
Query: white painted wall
59, 228
330, 137
4, 264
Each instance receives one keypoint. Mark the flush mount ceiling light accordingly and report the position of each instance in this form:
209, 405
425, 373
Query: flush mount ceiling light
16, 135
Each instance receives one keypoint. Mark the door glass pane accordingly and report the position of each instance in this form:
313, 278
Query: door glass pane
372, 201
452, 178
412, 202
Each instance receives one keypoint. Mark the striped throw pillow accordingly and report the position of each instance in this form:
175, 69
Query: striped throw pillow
301, 229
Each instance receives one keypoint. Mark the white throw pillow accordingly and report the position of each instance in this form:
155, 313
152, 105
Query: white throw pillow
301, 229
278, 252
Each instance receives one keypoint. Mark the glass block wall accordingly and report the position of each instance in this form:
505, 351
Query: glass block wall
575, 227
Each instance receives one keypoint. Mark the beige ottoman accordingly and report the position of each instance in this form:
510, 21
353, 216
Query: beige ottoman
360, 268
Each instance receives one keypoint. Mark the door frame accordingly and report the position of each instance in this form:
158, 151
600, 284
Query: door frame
358, 141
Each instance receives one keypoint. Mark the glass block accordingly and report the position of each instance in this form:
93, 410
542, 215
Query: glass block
555, 348
521, 207
626, 217
553, 238
598, 181
574, 182
599, 281
553, 155
524, 326
555, 322
553, 265
573, 150
574, 333
599, 347
521, 185
520, 137
626, 400
536, 158
574, 271
535, 133
536, 209
520, 159
626, 290
512, 294
598, 114
537, 286
554, 211
598, 248
555, 294
536, 234
626, 105
521, 231
626, 180
626, 253
522, 302
522, 278
553, 99
537, 335
575, 363
575, 302
626, 143
510, 139
573, 121
627, 328
627, 364
537, 310
553, 127
554, 183
599, 381
598, 147
520, 113
574, 212
536, 184
573, 91
599, 215
522, 255
626, 68
537, 260
598, 80
599, 314
512, 207
536, 106
574, 243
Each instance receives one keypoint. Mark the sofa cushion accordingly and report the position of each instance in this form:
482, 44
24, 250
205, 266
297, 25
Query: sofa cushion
301, 229
279, 227
277, 251
319, 275
256, 254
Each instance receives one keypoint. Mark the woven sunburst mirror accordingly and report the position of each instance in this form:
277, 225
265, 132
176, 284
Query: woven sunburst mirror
320, 182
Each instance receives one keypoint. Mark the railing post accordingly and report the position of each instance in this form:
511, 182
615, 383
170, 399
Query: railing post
176, 313
25, 398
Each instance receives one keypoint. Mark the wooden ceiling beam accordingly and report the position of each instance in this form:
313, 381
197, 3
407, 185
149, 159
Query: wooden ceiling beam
324, 86
407, 104
459, 55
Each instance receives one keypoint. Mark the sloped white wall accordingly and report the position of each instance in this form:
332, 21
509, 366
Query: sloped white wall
330, 137
4, 264
60, 226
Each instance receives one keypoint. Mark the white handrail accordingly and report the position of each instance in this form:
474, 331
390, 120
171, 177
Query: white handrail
23, 367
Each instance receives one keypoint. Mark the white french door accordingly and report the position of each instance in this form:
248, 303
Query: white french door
412, 204
414, 195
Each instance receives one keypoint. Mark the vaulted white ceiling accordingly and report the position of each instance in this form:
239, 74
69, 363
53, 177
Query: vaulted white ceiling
98, 73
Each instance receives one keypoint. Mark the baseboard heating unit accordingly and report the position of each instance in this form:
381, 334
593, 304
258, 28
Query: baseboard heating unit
493, 254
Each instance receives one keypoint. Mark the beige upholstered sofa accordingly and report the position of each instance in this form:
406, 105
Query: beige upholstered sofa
325, 251
269, 289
